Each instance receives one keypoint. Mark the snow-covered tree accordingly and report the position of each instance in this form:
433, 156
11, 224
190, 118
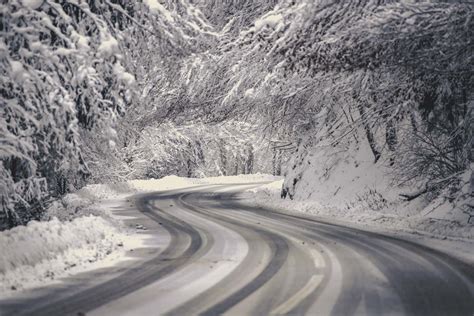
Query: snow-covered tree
68, 73
62, 75
392, 72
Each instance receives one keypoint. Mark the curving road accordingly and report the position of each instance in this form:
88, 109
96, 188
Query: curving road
221, 256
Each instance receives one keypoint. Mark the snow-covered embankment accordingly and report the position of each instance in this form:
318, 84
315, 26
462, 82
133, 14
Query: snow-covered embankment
76, 234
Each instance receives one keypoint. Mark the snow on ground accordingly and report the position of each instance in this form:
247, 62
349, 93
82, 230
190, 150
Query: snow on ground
78, 233
440, 226
174, 182
442, 232
343, 183
42, 251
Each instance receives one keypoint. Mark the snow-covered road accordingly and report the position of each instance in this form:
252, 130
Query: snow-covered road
218, 256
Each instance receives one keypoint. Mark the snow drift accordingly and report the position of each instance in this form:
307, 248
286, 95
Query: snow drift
45, 250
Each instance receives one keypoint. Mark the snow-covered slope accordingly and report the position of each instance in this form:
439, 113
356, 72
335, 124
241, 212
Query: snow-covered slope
343, 177
46, 250
78, 233
345, 184
268, 196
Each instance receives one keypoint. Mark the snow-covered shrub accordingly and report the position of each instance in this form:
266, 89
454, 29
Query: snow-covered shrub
45, 249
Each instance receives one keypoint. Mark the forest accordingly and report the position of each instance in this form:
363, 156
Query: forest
96, 91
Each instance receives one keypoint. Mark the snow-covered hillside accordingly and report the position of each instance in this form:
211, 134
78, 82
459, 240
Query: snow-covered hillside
441, 223
347, 178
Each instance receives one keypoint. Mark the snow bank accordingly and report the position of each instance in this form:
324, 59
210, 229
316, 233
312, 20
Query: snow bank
440, 224
344, 182
78, 233
162, 184
47, 250
88, 201
175, 182
240, 179
82, 202
95, 192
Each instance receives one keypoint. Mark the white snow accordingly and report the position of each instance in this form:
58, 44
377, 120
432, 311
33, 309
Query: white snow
157, 7
249, 92
271, 20
32, 4
175, 182
344, 183
343, 176
269, 196
82, 42
108, 47
123, 75
18, 71
81, 232
45, 250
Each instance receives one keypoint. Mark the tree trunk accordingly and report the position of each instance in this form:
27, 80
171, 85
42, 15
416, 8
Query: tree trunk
391, 135
249, 161
368, 133
223, 157
276, 162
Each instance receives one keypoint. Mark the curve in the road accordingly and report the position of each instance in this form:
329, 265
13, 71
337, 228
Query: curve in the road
291, 265
186, 245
